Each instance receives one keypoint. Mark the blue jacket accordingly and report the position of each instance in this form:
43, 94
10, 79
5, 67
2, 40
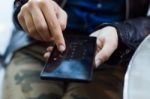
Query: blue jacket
131, 31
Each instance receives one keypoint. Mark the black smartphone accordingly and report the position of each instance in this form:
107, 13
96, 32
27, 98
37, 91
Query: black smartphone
75, 63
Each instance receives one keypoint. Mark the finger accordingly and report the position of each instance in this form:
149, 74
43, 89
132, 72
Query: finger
99, 43
47, 55
95, 34
22, 22
53, 25
29, 22
49, 49
31, 27
62, 18
104, 53
39, 21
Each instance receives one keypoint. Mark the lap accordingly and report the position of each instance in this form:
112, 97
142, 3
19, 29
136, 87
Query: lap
107, 84
23, 81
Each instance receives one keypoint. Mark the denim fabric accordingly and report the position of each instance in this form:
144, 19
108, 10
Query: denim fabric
85, 15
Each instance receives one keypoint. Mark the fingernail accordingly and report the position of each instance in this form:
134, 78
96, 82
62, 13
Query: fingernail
62, 48
46, 55
97, 63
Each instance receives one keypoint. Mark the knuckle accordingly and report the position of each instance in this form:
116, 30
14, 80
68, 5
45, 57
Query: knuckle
31, 4
32, 31
24, 7
20, 17
63, 25
42, 3
42, 28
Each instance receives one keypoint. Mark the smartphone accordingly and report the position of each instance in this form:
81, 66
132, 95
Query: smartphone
74, 64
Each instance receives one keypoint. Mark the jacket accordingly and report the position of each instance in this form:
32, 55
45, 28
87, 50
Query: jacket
131, 31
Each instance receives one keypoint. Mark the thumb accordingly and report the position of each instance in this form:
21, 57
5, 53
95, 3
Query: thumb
104, 53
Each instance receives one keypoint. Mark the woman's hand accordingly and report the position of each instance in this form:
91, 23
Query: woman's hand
44, 20
107, 43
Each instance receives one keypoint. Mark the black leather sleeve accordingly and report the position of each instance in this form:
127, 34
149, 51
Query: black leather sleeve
132, 32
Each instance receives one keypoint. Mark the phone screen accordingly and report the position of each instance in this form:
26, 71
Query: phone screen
75, 63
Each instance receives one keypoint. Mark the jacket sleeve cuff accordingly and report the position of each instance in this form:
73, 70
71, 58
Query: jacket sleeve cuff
17, 6
123, 53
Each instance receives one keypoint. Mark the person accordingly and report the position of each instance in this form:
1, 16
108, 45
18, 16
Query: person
121, 26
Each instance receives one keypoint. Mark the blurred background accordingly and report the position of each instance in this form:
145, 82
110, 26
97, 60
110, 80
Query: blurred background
6, 27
